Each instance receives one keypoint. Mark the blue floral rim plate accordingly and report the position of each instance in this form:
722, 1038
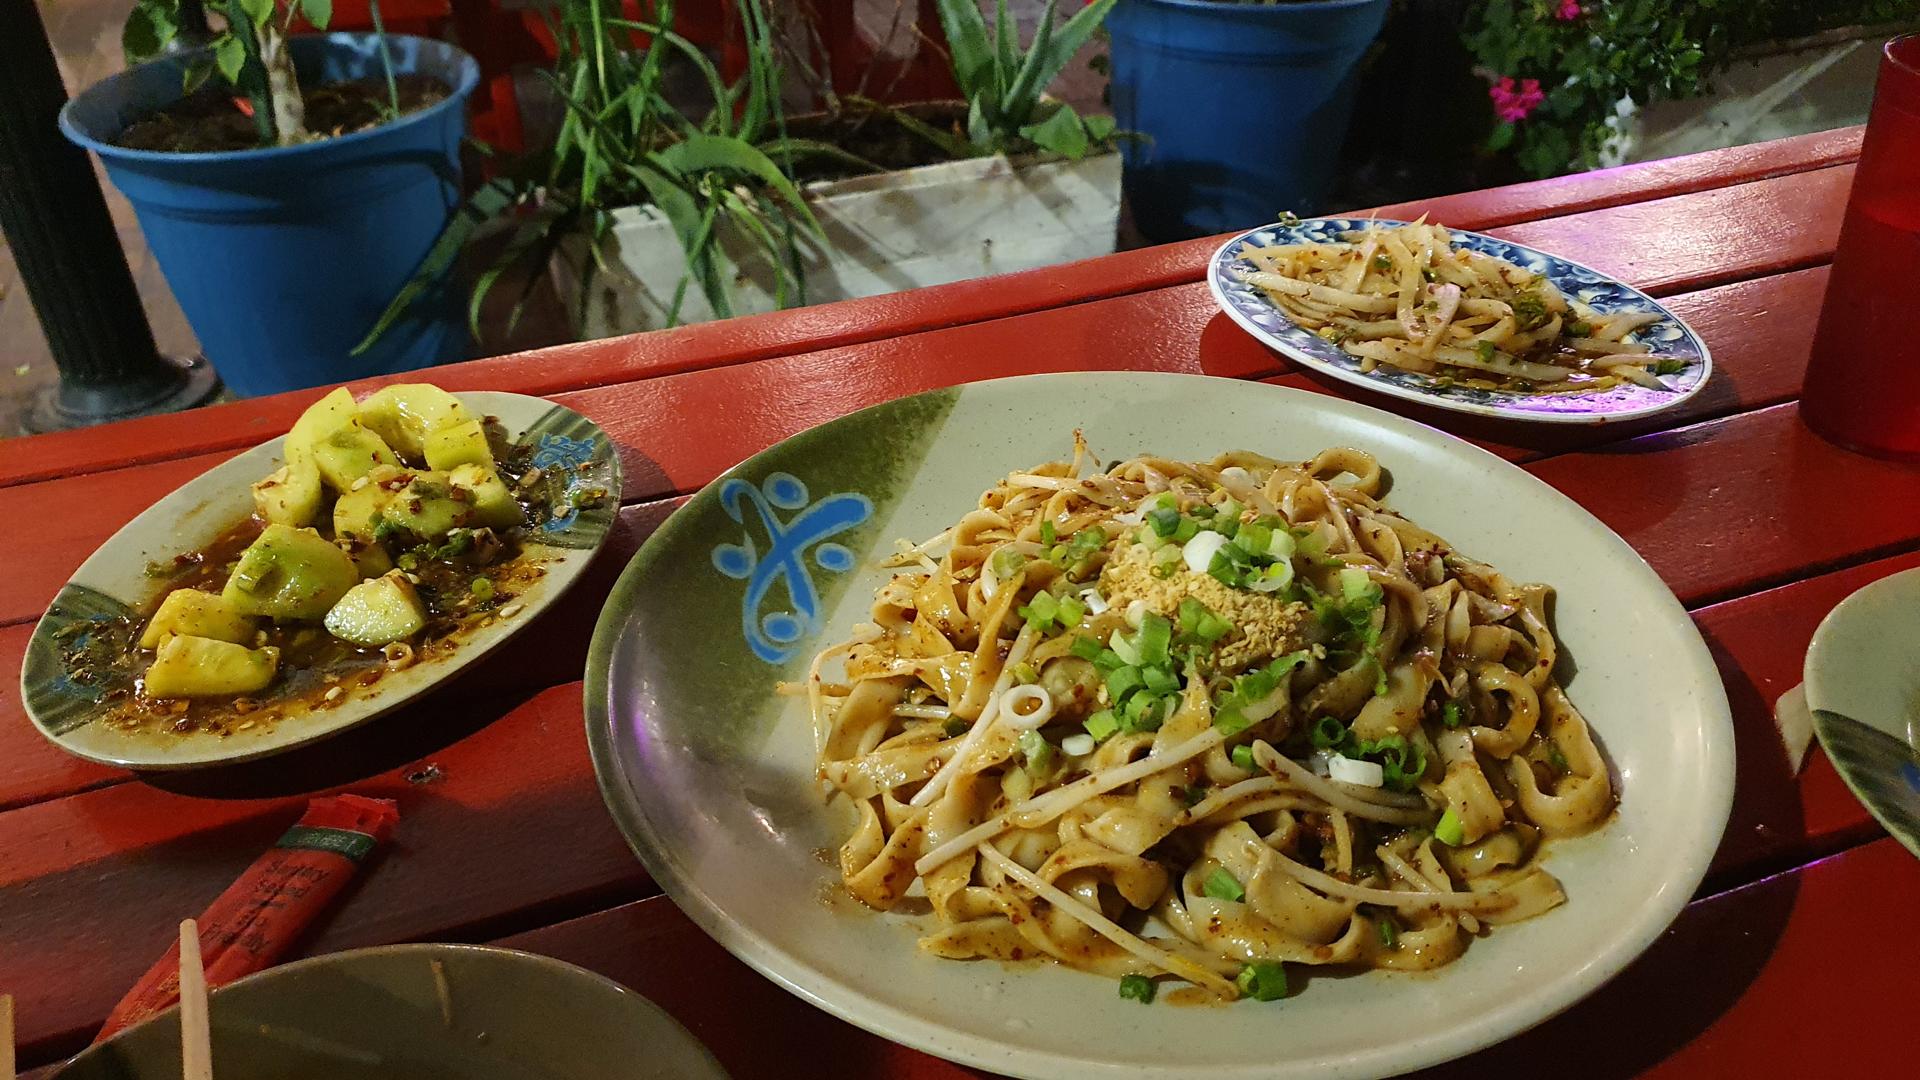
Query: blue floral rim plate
1247, 305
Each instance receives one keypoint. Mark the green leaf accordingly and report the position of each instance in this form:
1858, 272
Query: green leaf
1048, 60
1501, 138
967, 46
257, 11
230, 56
150, 26
195, 76
709, 153
787, 146
486, 204
1062, 133
1023, 93
320, 12
948, 143
1099, 127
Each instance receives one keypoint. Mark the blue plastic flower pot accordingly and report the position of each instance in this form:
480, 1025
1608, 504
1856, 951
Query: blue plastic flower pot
284, 257
1241, 108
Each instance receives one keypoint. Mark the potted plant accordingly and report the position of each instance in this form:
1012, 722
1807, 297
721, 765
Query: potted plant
1241, 108
288, 185
652, 214
1009, 179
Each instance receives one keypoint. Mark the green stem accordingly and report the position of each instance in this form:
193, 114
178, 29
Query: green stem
386, 61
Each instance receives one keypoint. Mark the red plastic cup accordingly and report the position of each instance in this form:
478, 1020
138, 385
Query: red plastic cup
1863, 380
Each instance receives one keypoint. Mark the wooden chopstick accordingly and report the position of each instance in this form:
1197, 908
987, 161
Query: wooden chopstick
196, 1037
6, 1037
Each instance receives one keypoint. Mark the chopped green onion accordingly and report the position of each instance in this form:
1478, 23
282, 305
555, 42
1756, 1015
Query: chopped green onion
1124, 646
1356, 586
1187, 530
1041, 611
1222, 570
1670, 367
1194, 795
1137, 988
1382, 261
1231, 720
1108, 660
1072, 610
1047, 535
1450, 831
1037, 751
1007, 562
1223, 886
1212, 628
1190, 614
1578, 328
1389, 932
1273, 579
1263, 981
1450, 714
1484, 351
1253, 539
1087, 647
1328, 733
1242, 756
1024, 673
1230, 511
1102, 724
1164, 522
955, 726
1156, 633
482, 589
1280, 545
1160, 680
1122, 681
1144, 712
1557, 759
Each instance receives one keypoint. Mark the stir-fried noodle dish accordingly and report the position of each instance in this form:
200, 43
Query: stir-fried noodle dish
1200, 720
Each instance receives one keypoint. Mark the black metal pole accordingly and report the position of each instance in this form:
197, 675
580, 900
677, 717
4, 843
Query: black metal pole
55, 219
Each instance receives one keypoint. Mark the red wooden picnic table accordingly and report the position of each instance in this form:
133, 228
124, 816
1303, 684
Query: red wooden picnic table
1802, 927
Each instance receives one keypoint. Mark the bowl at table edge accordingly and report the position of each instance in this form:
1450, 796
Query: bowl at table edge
376, 1014
1863, 688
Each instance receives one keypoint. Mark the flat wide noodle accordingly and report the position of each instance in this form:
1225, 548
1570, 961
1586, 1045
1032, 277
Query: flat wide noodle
1175, 718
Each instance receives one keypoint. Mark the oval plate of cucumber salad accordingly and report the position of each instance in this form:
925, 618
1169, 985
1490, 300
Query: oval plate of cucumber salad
321, 579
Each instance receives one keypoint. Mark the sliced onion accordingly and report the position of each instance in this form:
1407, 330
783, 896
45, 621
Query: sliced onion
1353, 771
1078, 745
1021, 719
1096, 604
1200, 550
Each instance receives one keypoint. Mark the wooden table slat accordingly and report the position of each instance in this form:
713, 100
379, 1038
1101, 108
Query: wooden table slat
579, 366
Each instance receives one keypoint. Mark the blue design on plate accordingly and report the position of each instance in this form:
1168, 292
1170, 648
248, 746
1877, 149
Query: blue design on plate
773, 637
558, 450
1911, 774
1668, 335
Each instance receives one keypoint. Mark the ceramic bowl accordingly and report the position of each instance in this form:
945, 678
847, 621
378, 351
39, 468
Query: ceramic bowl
1863, 688
417, 1012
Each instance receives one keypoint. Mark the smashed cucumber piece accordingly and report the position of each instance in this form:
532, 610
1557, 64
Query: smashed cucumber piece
192, 613
290, 495
403, 415
378, 612
290, 573
492, 503
187, 666
463, 442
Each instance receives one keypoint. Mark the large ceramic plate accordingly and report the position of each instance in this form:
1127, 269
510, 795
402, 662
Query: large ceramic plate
708, 772
1863, 688
66, 704
1250, 307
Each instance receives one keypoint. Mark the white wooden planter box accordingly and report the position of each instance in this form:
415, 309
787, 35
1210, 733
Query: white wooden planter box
884, 233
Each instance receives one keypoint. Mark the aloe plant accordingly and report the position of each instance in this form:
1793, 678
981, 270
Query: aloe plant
719, 173
1006, 85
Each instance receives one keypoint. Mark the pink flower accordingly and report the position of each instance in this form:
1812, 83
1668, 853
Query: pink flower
1569, 11
1512, 105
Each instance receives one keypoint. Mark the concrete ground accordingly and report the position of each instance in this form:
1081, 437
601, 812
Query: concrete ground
86, 36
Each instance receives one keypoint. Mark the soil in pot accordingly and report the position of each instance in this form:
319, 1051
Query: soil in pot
875, 135
210, 120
